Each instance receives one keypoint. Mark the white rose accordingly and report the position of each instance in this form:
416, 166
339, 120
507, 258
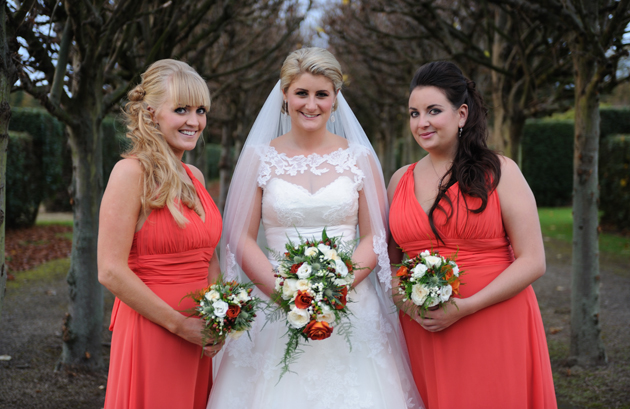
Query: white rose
341, 268
418, 271
311, 251
331, 254
220, 308
326, 315
323, 248
445, 293
419, 294
244, 296
298, 318
303, 285
435, 302
304, 271
433, 261
289, 288
455, 268
425, 253
212, 295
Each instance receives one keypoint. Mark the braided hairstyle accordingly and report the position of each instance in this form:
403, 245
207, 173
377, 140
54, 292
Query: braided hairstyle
164, 82
476, 167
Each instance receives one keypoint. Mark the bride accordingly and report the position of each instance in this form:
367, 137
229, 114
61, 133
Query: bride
298, 177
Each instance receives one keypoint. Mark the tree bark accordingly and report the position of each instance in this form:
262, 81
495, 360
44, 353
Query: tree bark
7, 79
83, 323
586, 343
225, 164
516, 124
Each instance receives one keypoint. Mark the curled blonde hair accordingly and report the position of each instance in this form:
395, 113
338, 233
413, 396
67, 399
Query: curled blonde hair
164, 82
312, 60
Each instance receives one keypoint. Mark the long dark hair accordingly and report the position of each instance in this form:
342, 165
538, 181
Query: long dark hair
476, 167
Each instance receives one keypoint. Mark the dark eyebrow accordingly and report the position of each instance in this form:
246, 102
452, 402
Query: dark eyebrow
412, 109
434, 106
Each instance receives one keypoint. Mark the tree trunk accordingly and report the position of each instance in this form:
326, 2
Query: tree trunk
516, 126
497, 140
586, 343
7, 79
225, 164
82, 328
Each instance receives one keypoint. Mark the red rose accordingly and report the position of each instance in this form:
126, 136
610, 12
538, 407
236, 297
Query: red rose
295, 267
402, 271
317, 330
341, 301
233, 311
303, 300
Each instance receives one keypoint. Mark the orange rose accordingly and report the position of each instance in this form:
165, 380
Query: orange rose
448, 274
317, 330
455, 286
233, 311
295, 267
349, 265
402, 271
341, 301
303, 300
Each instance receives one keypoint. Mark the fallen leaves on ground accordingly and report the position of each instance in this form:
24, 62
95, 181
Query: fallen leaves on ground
27, 248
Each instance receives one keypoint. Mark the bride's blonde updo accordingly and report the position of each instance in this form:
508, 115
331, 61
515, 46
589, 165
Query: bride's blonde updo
165, 84
315, 61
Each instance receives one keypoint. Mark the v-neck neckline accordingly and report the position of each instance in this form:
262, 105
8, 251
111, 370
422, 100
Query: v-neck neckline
413, 188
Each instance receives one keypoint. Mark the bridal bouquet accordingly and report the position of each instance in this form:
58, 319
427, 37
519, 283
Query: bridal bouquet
312, 283
428, 280
227, 307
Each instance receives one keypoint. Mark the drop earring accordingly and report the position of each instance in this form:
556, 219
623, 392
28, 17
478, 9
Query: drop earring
460, 132
332, 117
286, 107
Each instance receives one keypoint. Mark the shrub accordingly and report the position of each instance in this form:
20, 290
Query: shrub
24, 181
615, 181
547, 151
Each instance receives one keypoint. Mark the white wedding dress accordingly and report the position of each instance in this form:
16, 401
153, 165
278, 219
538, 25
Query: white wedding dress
305, 195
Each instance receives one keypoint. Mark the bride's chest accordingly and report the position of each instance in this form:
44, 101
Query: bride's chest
288, 204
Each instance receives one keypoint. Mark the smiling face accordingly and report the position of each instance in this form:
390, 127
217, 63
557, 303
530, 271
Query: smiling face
310, 100
433, 120
181, 125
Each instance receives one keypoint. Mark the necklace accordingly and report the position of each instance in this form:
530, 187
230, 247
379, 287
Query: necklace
433, 166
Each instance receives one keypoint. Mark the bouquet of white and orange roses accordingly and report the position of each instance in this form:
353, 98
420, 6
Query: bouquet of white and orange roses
312, 283
227, 307
428, 280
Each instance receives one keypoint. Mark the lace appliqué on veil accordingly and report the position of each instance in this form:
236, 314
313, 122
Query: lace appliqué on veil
380, 248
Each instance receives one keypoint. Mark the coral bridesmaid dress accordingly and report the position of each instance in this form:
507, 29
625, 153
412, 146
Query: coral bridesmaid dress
496, 357
149, 366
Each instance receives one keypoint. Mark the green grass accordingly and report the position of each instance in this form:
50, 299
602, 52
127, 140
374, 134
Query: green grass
557, 223
47, 272
54, 222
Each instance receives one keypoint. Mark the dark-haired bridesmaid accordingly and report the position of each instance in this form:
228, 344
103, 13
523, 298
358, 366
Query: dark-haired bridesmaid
490, 350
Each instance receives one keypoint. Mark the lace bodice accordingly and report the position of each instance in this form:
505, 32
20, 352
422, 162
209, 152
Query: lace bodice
309, 193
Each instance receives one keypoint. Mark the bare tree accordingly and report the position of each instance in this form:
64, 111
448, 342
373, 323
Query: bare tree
594, 31
8, 77
527, 63
82, 58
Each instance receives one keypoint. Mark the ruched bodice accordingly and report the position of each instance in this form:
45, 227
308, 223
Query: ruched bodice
476, 238
151, 367
503, 344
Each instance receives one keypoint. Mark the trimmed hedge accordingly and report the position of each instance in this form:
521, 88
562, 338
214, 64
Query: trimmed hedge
24, 180
547, 151
34, 171
614, 181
